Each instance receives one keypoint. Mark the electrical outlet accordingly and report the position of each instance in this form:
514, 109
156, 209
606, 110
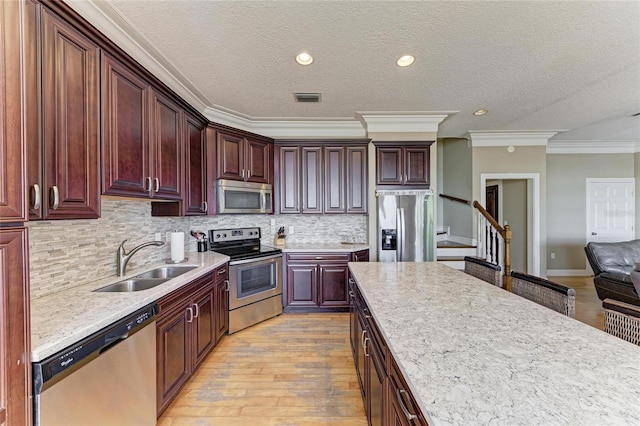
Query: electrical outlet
553, 255
158, 236
290, 230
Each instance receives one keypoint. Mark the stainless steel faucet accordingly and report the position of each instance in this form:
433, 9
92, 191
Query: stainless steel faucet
123, 257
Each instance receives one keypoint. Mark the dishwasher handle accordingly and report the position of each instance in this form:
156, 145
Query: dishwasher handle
111, 341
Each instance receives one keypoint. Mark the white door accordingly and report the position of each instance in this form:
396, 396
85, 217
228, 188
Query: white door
610, 210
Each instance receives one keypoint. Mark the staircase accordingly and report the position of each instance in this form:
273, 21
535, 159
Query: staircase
451, 250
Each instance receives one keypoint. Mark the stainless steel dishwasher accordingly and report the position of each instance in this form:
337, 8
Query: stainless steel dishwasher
108, 378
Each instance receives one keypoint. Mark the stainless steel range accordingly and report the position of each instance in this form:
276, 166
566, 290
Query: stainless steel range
255, 276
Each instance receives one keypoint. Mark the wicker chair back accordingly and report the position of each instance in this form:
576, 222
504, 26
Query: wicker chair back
483, 270
544, 292
622, 320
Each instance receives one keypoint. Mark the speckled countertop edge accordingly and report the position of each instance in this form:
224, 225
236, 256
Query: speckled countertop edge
475, 354
62, 319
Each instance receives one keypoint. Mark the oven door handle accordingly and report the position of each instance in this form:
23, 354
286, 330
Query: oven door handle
255, 259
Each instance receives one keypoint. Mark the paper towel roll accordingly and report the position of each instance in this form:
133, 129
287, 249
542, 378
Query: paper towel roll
177, 246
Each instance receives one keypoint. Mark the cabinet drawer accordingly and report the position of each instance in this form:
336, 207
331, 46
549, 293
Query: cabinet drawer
221, 273
319, 257
173, 299
400, 396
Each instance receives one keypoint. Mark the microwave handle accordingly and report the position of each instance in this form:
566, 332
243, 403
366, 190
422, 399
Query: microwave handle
263, 202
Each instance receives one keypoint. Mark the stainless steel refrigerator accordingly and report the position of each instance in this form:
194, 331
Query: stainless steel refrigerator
405, 225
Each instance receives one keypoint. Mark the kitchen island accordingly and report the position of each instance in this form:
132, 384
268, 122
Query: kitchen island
472, 353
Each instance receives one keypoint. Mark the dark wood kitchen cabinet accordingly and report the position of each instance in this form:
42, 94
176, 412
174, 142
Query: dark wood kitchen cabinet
403, 164
402, 409
12, 116
63, 160
244, 157
15, 356
142, 150
196, 200
185, 334
317, 282
222, 302
317, 178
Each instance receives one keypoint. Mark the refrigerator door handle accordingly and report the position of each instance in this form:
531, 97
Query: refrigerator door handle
400, 235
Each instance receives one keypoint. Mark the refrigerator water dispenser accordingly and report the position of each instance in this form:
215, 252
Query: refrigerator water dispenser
389, 239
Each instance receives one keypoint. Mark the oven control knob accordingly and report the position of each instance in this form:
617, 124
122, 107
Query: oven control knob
250, 232
217, 235
224, 235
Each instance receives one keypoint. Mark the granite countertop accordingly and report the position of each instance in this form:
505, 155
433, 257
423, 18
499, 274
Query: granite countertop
62, 319
326, 247
475, 354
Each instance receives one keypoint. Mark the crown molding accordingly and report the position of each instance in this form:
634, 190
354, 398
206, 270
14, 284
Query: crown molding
117, 28
593, 147
404, 122
485, 138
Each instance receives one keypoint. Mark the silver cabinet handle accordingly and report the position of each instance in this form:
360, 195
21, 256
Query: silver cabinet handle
366, 313
362, 337
56, 197
197, 314
227, 288
242, 173
37, 197
248, 173
190, 314
351, 294
147, 181
206, 207
318, 257
403, 406
157, 182
365, 346
222, 272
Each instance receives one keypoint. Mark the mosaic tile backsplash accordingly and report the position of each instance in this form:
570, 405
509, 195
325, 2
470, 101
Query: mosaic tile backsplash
68, 253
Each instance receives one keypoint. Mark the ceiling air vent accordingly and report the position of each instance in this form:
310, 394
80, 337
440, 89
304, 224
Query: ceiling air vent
307, 97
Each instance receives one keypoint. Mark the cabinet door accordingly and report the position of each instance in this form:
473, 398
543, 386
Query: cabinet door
361, 256
353, 319
376, 382
125, 122
360, 360
302, 285
204, 328
166, 148
289, 169
333, 285
356, 179
334, 180
70, 122
222, 309
389, 166
230, 156
258, 161
173, 342
311, 180
15, 366
195, 193
12, 116
416, 163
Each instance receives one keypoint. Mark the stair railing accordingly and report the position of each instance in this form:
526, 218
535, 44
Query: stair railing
494, 242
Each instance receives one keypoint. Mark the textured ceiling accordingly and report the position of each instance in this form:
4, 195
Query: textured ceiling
534, 65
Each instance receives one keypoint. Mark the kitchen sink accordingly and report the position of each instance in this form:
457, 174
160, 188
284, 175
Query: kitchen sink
133, 284
147, 279
166, 272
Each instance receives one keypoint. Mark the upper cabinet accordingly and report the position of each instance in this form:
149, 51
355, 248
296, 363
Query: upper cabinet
195, 191
12, 161
142, 153
403, 164
244, 157
317, 178
63, 158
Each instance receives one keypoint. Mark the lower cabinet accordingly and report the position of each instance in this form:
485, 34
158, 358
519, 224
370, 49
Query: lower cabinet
317, 281
385, 394
187, 330
222, 302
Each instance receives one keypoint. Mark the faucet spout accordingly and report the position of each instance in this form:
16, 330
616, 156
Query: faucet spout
122, 257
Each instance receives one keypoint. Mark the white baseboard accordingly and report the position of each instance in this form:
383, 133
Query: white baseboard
568, 273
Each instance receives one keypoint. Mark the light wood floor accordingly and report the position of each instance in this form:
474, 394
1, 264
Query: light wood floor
297, 369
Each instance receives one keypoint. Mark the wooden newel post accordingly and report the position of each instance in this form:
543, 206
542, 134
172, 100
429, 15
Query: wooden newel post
507, 257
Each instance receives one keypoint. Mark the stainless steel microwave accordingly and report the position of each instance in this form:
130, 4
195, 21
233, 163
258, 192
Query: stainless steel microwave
244, 197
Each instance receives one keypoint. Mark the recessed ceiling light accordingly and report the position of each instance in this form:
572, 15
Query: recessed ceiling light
481, 112
304, 58
405, 61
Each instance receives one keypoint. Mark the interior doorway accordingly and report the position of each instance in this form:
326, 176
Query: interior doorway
493, 203
532, 182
